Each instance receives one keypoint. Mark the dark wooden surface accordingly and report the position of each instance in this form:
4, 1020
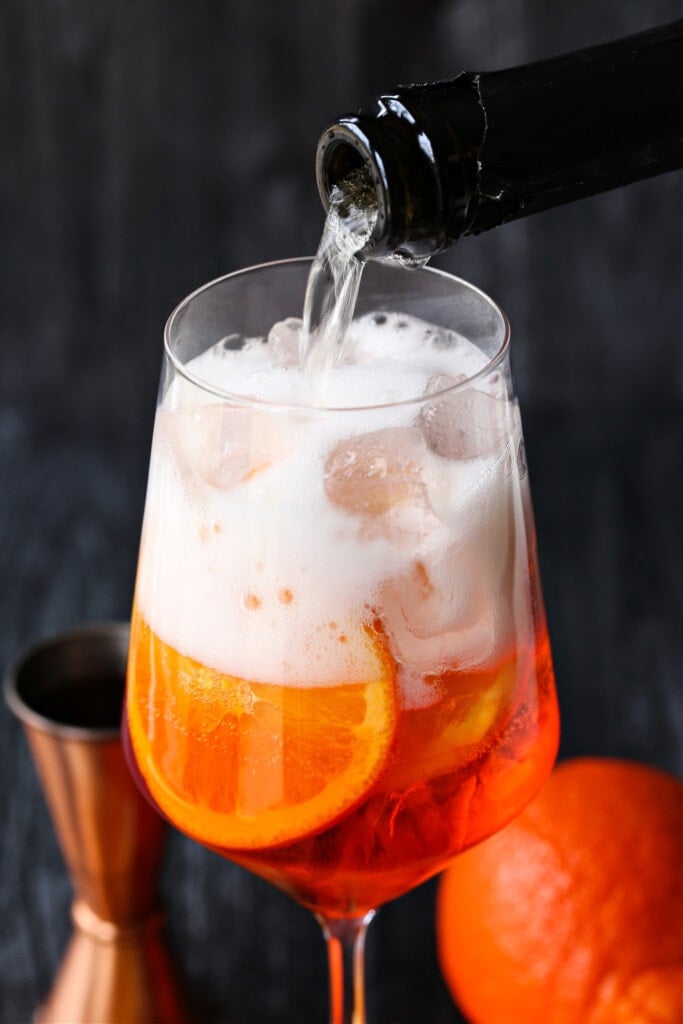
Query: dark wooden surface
150, 146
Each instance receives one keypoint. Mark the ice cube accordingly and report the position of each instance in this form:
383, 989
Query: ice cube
435, 624
453, 606
284, 341
466, 423
379, 477
225, 445
443, 594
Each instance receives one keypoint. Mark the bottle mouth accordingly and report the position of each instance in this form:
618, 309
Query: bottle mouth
400, 166
345, 148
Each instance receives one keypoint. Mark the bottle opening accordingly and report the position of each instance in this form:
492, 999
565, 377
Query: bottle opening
399, 169
340, 160
344, 150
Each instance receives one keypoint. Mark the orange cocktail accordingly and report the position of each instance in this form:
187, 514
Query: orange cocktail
339, 672
337, 794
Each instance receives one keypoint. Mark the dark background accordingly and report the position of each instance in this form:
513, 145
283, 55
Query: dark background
150, 145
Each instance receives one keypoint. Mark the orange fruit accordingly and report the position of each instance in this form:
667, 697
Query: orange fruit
574, 912
245, 765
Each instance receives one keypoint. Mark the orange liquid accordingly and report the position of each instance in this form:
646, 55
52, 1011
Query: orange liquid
339, 795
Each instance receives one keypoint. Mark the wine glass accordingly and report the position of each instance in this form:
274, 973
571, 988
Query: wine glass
339, 673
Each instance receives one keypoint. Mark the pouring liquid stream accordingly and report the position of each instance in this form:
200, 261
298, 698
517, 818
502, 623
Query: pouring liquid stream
334, 279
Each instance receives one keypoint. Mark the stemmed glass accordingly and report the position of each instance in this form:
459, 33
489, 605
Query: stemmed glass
339, 672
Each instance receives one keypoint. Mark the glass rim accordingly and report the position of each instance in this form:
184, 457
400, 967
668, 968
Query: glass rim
252, 401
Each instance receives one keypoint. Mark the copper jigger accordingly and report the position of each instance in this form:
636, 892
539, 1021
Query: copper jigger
68, 693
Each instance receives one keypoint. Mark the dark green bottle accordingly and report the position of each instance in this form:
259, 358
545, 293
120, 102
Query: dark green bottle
457, 158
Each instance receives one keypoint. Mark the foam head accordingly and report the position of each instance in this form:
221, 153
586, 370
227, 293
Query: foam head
276, 529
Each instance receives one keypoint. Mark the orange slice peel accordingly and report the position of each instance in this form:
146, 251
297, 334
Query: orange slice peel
244, 765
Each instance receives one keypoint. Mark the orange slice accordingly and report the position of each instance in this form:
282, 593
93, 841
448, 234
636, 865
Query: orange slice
442, 737
245, 765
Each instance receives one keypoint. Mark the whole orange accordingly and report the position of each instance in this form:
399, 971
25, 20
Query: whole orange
574, 912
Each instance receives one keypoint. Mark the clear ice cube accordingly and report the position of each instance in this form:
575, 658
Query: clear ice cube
379, 477
224, 445
466, 423
452, 607
441, 616
284, 342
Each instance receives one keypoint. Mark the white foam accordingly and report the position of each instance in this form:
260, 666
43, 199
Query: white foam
248, 566
396, 337
248, 579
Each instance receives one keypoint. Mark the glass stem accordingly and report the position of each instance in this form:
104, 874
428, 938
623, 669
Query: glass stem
345, 938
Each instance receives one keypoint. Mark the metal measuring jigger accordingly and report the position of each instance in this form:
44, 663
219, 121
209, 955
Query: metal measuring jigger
68, 693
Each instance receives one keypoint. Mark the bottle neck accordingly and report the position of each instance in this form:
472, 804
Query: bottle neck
461, 157
424, 174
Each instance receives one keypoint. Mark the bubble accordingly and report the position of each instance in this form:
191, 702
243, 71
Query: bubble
232, 342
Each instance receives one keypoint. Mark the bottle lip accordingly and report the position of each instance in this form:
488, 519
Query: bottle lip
343, 147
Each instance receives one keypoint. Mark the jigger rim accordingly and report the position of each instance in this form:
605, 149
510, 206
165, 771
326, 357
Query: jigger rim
115, 634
